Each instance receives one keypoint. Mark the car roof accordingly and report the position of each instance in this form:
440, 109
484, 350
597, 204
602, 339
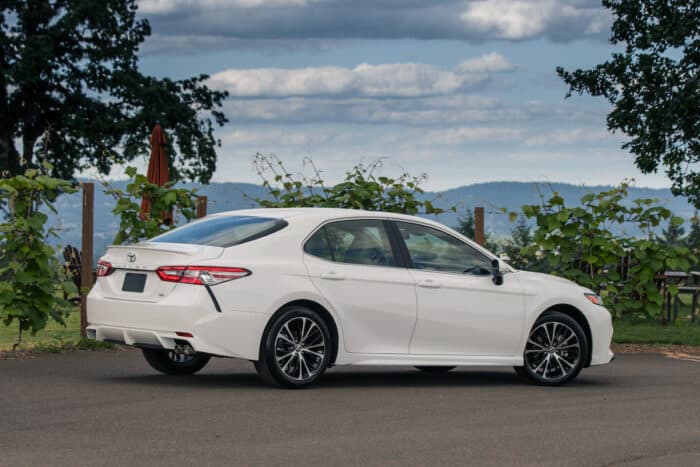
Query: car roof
315, 215
321, 213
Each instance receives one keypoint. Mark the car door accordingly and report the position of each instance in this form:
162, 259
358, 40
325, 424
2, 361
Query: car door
355, 267
460, 309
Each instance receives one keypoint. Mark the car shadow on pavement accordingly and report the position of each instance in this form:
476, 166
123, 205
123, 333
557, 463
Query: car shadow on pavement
350, 378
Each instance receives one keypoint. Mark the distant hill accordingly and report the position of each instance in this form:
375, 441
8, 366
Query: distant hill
229, 196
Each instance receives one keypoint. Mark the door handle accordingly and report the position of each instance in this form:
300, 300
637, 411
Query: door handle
429, 283
332, 276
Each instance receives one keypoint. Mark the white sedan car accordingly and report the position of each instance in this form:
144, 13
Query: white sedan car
296, 291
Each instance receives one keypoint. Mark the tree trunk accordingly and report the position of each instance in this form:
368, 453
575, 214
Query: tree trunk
9, 157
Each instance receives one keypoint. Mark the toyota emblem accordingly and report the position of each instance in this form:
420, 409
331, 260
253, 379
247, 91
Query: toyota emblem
131, 257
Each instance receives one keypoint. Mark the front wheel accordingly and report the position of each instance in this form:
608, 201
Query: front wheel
170, 363
556, 350
296, 349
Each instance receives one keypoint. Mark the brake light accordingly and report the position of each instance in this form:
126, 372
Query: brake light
104, 268
200, 275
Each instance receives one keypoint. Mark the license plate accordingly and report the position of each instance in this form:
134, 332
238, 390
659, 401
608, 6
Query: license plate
134, 282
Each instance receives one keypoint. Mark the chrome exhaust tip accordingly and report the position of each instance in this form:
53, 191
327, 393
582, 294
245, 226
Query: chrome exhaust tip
183, 348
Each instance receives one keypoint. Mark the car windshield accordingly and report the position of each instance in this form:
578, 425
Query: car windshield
223, 231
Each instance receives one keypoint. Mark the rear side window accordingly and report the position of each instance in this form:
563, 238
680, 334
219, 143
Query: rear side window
353, 242
223, 231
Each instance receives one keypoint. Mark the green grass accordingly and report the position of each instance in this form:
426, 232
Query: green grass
54, 338
681, 333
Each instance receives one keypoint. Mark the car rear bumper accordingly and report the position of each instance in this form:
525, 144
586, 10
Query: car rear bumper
187, 309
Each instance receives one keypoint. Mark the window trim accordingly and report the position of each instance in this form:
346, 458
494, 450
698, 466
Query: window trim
396, 252
409, 261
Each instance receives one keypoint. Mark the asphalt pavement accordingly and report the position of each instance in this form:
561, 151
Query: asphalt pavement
110, 408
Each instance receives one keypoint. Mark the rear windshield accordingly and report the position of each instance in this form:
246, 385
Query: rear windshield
223, 231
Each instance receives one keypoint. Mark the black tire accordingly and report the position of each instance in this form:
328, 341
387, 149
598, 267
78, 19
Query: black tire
436, 369
167, 362
556, 350
294, 353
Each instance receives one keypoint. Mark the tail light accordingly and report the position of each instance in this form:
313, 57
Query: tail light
200, 275
104, 268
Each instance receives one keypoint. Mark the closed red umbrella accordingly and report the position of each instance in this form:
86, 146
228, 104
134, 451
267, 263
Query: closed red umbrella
158, 172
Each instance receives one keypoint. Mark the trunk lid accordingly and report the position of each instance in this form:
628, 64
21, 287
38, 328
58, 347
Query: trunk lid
131, 263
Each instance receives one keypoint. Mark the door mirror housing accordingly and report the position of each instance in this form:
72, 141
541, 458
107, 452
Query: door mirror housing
496, 273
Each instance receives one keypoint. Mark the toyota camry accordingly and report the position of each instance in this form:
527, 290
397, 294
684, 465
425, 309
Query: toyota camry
296, 291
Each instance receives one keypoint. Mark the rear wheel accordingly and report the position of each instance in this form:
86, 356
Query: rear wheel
296, 349
556, 350
435, 369
170, 363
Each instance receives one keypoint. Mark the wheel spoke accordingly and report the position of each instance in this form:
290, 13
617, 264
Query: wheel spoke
286, 328
312, 353
303, 329
558, 360
286, 365
285, 338
285, 356
546, 331
571, 365
308, 332
530, 341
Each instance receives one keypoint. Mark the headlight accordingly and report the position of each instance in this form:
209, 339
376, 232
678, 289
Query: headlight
594, 298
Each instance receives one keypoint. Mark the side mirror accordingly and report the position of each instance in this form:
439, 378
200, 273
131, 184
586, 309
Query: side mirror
496, 272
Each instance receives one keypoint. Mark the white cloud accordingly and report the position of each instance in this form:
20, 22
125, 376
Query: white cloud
277, 21
453, 136
527, 19
570, 136
383, 80
488, 63
170, 6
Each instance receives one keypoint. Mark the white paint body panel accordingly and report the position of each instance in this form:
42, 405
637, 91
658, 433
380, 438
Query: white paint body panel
383, 315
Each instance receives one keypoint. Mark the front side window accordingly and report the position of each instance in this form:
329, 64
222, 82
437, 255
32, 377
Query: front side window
222, 231
432, 249
355, 242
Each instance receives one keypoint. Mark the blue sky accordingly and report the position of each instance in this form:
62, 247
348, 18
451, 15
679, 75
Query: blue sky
464, 91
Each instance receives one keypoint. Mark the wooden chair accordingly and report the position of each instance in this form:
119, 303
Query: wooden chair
73, 264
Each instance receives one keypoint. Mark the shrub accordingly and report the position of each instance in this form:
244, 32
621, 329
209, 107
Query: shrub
33, 283
361, 189
164, 200
579, 244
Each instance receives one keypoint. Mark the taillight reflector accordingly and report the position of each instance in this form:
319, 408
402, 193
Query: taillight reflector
104, 268
200, 275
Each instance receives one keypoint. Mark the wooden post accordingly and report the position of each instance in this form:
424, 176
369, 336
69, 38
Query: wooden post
201, 206
479, 225
87, 246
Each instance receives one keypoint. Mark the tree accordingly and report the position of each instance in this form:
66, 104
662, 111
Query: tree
673, 234
32, 281
579, 244
516, 246
654, 86
693, 238
69, 84
135, 227
361, 189
465, 224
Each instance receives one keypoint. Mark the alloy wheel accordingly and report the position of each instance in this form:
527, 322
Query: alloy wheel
553, 351
300, 348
